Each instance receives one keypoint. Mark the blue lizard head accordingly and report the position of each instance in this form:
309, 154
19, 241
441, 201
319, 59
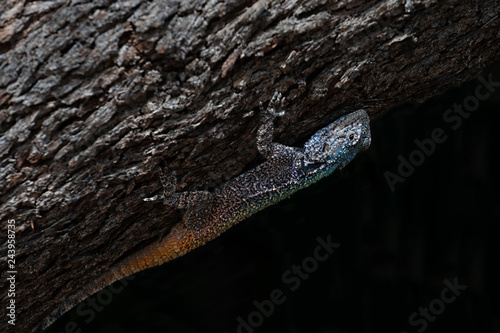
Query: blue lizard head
340, 141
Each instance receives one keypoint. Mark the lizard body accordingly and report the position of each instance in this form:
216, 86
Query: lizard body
208, 214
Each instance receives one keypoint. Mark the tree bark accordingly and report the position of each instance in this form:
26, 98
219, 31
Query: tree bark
95, 93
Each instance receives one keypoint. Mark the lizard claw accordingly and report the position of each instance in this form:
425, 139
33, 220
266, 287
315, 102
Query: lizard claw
276, 102
153, 198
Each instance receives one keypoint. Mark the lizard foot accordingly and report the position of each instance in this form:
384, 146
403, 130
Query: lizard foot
169, 183
275, 103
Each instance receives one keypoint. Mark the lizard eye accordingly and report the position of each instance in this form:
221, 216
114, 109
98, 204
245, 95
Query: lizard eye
351, 137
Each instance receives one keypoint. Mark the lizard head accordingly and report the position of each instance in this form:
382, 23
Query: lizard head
340, 141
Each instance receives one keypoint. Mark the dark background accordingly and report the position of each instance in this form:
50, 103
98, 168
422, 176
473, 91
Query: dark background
396, 248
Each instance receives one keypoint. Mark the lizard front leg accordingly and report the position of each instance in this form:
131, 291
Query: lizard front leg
278, 152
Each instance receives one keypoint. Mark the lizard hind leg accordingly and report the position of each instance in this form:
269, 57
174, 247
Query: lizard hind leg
196, 203
169, 184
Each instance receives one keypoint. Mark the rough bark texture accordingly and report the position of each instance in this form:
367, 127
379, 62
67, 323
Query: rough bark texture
93, 93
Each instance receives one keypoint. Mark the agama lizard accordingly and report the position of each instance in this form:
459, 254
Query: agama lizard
208, 214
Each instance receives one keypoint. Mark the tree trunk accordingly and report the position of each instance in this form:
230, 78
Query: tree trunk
95, 93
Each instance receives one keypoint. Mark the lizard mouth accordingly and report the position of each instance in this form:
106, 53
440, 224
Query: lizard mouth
366, 138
